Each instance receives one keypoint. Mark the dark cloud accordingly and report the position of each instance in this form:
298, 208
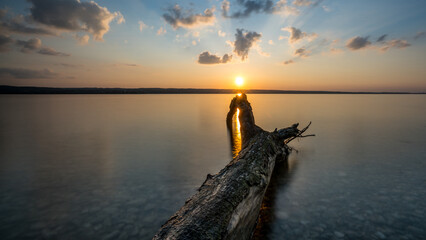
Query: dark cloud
302, 52
177, 18
5, 42
419, 35
249, 7
226, 58
256, 6
23, 73
52, 52
297, 34
382, 38
20, 25
29, 45
394, 43
244, 41
74, 15
34, 44
288, 62
207, 58
357, 43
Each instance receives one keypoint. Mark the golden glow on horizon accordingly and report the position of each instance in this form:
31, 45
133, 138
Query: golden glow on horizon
239, 81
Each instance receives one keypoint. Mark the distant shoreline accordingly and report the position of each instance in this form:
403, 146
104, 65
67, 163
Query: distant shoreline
52, 90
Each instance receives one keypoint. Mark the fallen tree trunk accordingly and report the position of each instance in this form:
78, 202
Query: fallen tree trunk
227, 204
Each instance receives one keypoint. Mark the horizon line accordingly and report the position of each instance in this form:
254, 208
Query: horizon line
8, 89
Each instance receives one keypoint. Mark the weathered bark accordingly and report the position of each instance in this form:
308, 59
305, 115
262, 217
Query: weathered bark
227, 204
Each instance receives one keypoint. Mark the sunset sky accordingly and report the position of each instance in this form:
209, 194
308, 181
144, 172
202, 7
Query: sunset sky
288, 45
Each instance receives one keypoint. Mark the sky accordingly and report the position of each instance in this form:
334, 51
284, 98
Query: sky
336, 45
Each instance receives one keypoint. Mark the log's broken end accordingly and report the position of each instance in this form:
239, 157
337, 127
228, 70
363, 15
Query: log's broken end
248, 127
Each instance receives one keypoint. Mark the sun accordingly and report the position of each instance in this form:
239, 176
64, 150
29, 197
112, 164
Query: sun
239, 81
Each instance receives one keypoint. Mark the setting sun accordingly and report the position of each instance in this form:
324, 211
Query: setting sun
239, 81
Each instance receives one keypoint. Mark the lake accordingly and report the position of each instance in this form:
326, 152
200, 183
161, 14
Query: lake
118, 166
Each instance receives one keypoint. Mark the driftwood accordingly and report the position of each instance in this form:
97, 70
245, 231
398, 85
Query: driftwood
227, 204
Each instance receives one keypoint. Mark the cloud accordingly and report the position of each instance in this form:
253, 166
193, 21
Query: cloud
29, 45
307, 3
297, 35
318, 46
34, 44
221, 34
52, 52
82, 40
74, 15
20, 25
302, 3
177, 19
302, 52
207, 58
161, 31
119, 18
287, 11
5, 42
281, 7
226, 58
357, 43
142, 26
270, 42
382, 38
381, 44
126, 65
394, 43
244, 41
68, 65
260, 51
326, 8
23, 73
257, 6
420, 35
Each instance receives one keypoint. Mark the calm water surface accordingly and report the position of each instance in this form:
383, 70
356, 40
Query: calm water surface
118, 166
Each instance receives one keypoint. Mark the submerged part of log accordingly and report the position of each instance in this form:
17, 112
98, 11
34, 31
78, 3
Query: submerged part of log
227, 204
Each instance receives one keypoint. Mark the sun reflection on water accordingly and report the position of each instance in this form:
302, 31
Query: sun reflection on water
236, 134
